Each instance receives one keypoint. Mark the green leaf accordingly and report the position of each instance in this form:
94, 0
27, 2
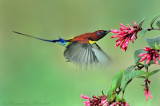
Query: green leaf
156, 46
116, 82
109, 95
141, 23
118, 98
154, 72
136, 53
131, 76
144, 77
158, 23
154, 19
103, 92
129, 69
151, 41
147, 74
143, 31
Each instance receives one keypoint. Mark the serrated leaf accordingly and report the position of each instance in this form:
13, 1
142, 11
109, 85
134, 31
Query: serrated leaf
143, 31
136, 53
129, 69
141, 23
154, 72
154, 19
131, 76
151, 41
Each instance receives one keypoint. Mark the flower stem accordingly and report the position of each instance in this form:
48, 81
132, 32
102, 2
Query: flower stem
150, 29
122, 95
147, 69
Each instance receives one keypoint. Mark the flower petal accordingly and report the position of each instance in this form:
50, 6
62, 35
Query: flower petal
149, 59
146, 97
123, 28
130, 27
142, 54
118, 43
149, 94
84, 96
148, 48
143, 58
122, 25
87, 103
114, 31
115, 36
103, 101
135, 23
155, 60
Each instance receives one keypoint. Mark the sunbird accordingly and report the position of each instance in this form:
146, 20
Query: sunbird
81, 49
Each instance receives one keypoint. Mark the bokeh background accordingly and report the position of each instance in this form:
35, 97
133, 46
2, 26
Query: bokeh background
35, 73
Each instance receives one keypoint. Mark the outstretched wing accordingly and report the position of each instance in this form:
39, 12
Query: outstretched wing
85, 53
100, 54
80, 53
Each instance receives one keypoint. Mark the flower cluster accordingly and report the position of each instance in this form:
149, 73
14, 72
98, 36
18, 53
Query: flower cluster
147, 93
152, 54
125, 35
101, 101
148, 55
95, 101
120, 104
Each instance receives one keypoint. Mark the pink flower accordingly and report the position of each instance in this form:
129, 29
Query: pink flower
152, 54
86, 103
95, 101
120, 104
125, 35
147, 93
125, 104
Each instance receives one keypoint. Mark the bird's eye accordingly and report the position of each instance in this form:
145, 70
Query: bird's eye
98, 33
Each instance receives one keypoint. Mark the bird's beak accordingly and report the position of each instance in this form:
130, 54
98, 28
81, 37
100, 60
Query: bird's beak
106, 32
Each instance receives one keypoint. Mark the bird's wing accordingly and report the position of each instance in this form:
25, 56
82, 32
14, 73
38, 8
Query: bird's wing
85, 54
101, 56
80, 53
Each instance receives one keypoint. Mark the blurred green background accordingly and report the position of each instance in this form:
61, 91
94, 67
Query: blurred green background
35, 73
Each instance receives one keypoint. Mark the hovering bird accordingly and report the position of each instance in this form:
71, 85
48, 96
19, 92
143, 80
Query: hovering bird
81, 49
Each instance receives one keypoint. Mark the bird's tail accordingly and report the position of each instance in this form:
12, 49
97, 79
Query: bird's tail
60, 40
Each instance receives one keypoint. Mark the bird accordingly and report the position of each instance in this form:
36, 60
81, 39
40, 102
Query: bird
81, 49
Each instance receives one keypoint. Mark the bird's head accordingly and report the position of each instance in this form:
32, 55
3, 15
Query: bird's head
102, 33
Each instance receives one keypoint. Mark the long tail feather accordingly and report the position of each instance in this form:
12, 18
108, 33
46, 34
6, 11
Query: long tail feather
60, 40
35, 37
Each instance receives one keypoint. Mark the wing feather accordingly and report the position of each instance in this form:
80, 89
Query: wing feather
100, 54
80, 53
85, 54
